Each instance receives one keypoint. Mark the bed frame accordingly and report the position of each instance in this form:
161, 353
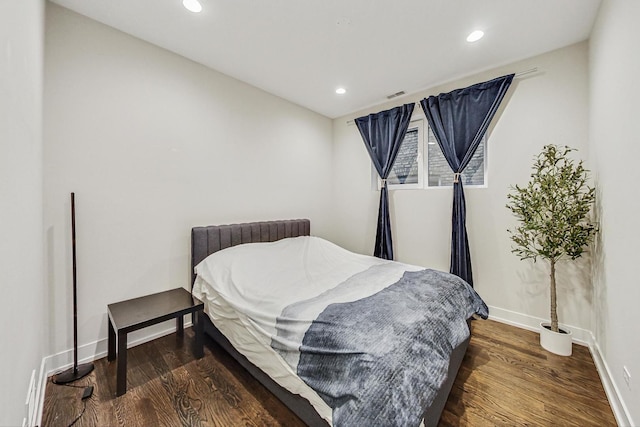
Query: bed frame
207, 240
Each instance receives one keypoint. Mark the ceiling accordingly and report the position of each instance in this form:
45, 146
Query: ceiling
302, 50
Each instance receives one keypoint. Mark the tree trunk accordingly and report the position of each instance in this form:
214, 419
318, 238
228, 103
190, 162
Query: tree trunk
554, 306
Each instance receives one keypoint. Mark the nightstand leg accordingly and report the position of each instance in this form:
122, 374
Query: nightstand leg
111, 341
121, 387
180, 326
198, 351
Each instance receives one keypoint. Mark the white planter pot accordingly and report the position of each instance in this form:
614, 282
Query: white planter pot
556, 342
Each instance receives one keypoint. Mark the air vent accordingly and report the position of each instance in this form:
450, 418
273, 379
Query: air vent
395, 95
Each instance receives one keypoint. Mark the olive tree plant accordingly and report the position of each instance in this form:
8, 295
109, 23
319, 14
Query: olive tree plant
553, 211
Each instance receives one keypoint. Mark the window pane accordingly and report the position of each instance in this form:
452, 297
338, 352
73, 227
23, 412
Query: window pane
440, 173
405, 169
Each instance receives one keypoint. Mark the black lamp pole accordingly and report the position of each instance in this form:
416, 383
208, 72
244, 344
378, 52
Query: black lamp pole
77, 371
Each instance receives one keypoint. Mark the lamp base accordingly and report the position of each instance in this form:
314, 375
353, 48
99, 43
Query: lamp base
72, 374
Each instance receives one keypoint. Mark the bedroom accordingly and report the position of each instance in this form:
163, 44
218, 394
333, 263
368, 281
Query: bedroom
185, 115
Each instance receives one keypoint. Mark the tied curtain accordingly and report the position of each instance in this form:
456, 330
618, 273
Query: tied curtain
382, 134
459, 119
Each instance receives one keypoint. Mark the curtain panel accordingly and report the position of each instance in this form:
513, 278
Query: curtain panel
459, 119
382, 134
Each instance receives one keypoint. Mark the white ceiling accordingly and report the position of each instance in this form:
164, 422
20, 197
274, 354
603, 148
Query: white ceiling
302, 50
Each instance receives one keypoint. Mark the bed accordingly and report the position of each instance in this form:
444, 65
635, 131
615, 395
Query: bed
288, 374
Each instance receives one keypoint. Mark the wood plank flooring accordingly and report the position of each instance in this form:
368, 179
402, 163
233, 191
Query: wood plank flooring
505, 379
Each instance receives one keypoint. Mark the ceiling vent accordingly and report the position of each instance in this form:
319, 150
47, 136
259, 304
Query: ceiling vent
395, 95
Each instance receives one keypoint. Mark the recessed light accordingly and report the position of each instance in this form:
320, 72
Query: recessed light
475, 36
341, 91
192, 5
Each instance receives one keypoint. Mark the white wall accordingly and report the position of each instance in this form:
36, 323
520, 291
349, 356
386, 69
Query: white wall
153, 144
22, 290
550, 106
614, 145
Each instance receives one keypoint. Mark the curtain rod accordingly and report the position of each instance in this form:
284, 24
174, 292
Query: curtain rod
516, 75
529, 71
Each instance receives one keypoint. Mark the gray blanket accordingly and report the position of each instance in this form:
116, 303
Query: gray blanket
380, 360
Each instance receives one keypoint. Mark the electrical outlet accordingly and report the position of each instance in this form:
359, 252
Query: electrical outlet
627, 376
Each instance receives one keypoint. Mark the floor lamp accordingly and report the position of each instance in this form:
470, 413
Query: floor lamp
77, 371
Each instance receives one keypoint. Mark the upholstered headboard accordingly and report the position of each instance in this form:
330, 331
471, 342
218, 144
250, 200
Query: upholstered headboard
207, 240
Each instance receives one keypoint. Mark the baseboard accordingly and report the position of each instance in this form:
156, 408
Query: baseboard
531, 323
620, 410
31, 401
95, 350
40, 389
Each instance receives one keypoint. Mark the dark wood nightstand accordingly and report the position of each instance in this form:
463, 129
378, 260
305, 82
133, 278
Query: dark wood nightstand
131, 315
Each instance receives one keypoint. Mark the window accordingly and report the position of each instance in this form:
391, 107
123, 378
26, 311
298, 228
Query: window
439, 172
408, 168
413, 170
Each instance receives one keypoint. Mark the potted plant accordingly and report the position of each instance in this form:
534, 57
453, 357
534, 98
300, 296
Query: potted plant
553, 211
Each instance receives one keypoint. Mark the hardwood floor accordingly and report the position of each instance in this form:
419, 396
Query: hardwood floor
167, 387
505, 379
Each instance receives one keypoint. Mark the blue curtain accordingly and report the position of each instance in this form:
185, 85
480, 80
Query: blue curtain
383, 134
459, 120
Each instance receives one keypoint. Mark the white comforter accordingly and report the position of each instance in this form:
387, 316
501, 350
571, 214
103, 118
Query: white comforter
264, 298
246, 287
